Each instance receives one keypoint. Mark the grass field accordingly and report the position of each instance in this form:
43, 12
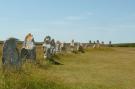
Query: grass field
105, 68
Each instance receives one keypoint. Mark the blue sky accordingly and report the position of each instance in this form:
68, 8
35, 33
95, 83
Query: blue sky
82, 20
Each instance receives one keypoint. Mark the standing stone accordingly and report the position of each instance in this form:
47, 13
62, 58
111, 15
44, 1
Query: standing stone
53, 47
63, 47
58, 46
103, 44
47, 47
80, 47
94, 44
110, 44
98, 44
11, 55
29, 48
72, 45
90, 42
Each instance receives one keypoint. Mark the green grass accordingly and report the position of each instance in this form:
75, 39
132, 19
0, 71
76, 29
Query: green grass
105, 68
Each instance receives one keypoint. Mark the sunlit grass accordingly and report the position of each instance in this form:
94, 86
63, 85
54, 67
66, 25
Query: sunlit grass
104, 68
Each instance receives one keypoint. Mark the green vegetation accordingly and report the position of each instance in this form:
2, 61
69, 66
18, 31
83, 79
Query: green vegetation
124, 45
104, 68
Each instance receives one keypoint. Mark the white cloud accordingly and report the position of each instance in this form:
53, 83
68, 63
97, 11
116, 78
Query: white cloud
82, 16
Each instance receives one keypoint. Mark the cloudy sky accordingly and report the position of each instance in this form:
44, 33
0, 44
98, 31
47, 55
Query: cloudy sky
82, 20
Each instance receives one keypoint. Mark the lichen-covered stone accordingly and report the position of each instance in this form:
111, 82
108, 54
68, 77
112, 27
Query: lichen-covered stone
11, 53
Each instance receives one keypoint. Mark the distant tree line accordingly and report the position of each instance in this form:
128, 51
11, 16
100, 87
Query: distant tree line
124, 45
113, 45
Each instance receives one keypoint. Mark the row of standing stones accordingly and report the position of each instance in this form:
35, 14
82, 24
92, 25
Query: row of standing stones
12, 57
